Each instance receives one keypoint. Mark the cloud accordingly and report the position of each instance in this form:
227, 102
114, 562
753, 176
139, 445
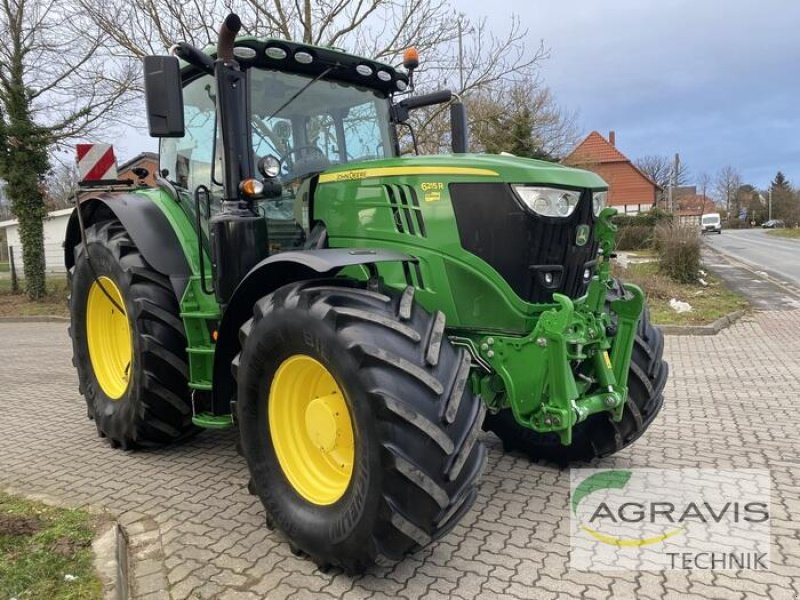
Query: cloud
712, 80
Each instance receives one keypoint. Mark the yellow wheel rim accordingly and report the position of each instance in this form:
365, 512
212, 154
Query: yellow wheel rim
108, 335
311, 430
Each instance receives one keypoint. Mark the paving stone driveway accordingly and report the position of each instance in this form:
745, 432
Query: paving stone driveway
732, 402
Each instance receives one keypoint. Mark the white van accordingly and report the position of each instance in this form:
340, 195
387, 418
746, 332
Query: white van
710, 223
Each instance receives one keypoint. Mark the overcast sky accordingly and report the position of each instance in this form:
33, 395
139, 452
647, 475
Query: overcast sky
713, 80
716, 81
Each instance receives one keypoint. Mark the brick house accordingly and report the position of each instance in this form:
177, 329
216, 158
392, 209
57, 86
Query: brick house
145, 160
691, 206
629, 190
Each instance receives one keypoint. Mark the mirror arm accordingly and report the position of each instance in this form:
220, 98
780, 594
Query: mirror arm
193, 56
399, 112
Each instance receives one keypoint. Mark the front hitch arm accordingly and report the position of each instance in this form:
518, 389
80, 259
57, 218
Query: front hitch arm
545, 385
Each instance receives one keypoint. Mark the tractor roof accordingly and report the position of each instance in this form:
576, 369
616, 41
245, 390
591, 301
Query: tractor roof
306, 59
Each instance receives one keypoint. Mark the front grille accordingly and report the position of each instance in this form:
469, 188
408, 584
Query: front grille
521, 246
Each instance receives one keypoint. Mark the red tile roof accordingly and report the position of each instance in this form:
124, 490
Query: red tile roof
594, 149
626, 183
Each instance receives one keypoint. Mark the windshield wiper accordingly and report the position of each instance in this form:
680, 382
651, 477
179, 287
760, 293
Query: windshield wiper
300, 91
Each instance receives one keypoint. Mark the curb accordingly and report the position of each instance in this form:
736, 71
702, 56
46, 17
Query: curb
712, 329
143, 572
35, 319
111, 562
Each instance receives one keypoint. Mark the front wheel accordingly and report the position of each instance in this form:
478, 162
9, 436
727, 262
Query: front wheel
357, 421
599, 436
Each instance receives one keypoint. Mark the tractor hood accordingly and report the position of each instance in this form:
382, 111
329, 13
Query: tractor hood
509, 169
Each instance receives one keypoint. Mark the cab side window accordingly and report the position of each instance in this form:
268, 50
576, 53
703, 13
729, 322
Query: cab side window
189, 160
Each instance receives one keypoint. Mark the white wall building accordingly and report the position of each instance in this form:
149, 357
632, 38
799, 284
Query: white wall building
55, 228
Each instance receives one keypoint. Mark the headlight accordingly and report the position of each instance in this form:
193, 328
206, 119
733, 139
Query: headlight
599, 202
548, 202
269, 166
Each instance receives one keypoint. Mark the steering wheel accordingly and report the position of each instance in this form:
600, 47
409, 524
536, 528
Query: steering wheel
291, 151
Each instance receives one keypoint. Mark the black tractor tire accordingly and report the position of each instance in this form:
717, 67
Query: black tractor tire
599, 436
416, 423
155, 408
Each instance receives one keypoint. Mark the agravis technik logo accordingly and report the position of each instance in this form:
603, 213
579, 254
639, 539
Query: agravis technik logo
669, 519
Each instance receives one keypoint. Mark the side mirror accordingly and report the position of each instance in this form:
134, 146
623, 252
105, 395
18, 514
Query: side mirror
163, 96
459, 127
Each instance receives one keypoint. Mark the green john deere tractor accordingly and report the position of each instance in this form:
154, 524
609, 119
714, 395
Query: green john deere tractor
358, 315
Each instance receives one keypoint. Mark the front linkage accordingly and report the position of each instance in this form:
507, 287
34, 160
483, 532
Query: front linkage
575, 362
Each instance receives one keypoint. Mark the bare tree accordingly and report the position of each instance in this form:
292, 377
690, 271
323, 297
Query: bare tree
659, 169
60, 185
55, 84
726, 184
703, 183
380, 29
522, 118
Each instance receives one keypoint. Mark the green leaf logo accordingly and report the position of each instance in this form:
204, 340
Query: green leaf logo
582, 235
599, 481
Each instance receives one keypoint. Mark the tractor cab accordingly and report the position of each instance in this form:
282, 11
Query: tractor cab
307, 108
297, 110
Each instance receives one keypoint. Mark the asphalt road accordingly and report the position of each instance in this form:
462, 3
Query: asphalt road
775, 255
764, 268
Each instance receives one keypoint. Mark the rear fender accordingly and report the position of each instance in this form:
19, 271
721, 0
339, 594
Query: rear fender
266, 277
145, 223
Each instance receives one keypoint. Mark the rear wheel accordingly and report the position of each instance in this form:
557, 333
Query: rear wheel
599, 436
128, 342
357, 421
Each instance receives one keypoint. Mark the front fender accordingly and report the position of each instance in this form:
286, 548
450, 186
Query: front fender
266, 277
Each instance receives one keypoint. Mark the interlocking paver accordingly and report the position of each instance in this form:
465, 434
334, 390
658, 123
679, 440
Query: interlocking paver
731, 402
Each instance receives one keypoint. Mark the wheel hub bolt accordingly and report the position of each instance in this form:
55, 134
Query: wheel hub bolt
610, 401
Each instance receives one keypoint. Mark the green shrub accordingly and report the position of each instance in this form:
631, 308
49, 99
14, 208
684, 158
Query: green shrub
635, 232
634, 237
678, 248
647, 219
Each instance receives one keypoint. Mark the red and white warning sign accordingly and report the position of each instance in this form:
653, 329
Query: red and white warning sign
96, 161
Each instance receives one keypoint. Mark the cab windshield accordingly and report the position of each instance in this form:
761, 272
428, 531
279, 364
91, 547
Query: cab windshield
310, 125
307, 125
